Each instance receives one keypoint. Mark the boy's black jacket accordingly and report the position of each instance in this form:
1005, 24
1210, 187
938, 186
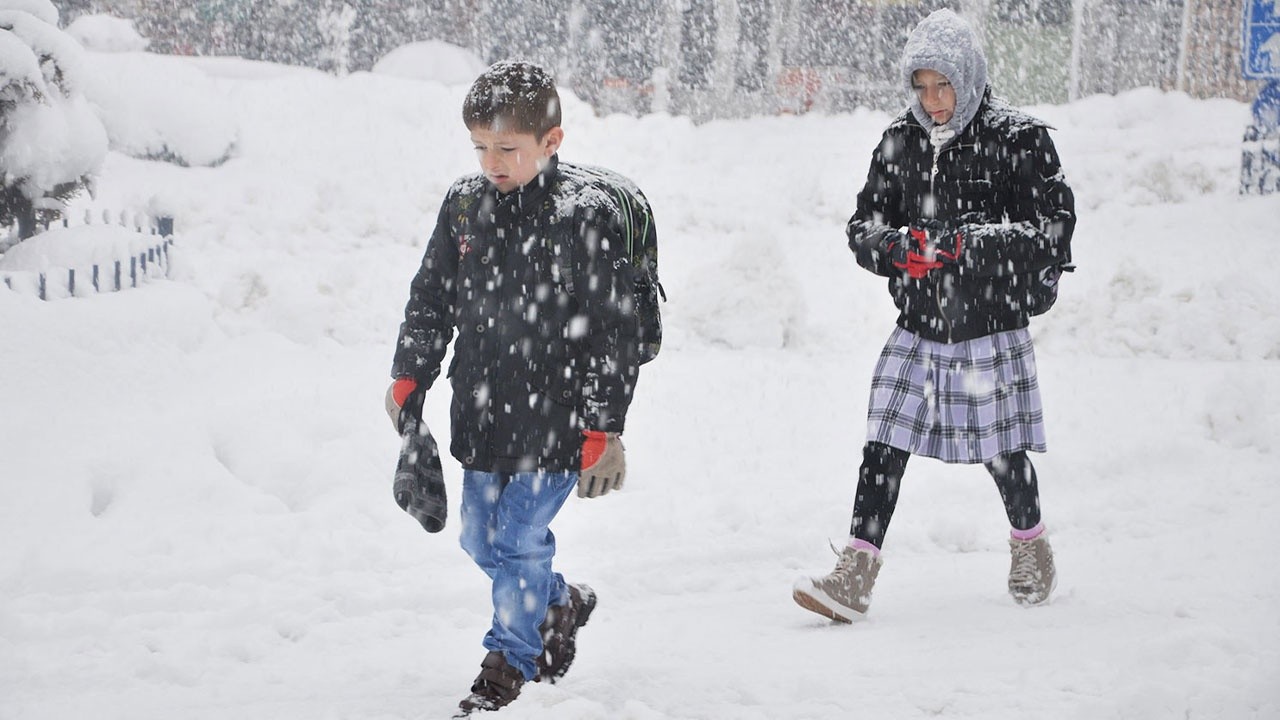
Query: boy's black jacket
1001, 181
534, 364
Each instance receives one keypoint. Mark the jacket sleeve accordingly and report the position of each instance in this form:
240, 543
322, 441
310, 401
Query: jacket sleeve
875, 223
429, 314
1041, 217
605, 282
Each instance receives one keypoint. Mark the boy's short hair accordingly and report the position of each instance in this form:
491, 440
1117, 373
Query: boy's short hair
515, 97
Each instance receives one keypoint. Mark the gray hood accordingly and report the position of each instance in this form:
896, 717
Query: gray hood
945, 43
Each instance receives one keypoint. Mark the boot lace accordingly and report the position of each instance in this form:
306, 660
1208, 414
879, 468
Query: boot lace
1025, 571
846, 562
843, 560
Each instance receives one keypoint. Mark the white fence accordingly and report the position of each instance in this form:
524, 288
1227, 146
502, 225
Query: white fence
132, 250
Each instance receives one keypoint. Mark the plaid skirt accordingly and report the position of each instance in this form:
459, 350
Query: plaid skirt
963, 402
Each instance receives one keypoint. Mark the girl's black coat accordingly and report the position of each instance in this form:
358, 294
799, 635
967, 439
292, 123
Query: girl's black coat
535, 362
1001, 182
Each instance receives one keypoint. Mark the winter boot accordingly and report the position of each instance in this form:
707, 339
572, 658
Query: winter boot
495, 687
1032, 576
560, 632
845, 594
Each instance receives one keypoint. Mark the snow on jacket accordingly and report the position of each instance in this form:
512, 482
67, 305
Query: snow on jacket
991, 171
1001, 183
535, 363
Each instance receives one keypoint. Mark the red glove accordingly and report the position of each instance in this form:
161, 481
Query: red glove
397, 394
604, 464
401, 388
917, 266
938, 240
593, 445
929, 254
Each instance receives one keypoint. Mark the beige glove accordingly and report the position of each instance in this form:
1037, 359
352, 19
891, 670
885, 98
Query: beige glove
604, 464
397, 393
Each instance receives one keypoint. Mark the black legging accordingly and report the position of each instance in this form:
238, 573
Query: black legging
881, 475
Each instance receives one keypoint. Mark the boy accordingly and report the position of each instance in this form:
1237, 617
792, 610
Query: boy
527, 263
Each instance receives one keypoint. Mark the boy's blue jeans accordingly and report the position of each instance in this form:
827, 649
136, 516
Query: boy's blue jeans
505, 518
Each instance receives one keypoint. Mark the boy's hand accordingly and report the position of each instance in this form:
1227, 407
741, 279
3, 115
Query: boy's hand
604, 464
403, 396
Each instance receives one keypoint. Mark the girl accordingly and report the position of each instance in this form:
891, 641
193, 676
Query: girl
966, 212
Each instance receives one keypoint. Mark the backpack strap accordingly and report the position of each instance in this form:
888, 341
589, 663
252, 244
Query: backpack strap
628, 220
560, 251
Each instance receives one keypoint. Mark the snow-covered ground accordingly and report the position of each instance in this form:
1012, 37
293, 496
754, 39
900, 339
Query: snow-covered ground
195, 476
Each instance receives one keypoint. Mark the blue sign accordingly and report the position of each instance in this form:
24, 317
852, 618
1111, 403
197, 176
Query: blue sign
1262, 39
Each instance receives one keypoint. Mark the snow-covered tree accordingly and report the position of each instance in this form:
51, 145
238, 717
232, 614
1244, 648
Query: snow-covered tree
51, 140
335, 28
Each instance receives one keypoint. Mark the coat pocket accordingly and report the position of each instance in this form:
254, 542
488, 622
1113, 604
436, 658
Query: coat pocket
557, 379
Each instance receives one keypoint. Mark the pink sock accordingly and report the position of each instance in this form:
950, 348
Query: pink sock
1029, 533
857, 544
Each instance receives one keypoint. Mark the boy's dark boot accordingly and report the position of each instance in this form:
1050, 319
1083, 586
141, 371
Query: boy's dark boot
560, 632
495, 687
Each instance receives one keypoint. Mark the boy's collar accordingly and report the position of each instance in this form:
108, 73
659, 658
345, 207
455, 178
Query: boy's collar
530, 195
535, 186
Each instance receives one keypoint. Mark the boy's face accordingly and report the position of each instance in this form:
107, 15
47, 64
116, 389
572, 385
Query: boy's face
511, 159
936, 94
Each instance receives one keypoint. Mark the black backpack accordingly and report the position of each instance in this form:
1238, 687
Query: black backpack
641, 238
1044, 288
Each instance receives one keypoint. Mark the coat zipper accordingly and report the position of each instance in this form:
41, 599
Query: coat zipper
933, 174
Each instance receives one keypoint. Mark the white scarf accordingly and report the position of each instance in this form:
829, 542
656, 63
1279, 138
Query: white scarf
940, 135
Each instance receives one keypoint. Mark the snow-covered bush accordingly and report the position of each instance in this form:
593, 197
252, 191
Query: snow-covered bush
161, 108
51, 141
105, 33
435, 60
165, 108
